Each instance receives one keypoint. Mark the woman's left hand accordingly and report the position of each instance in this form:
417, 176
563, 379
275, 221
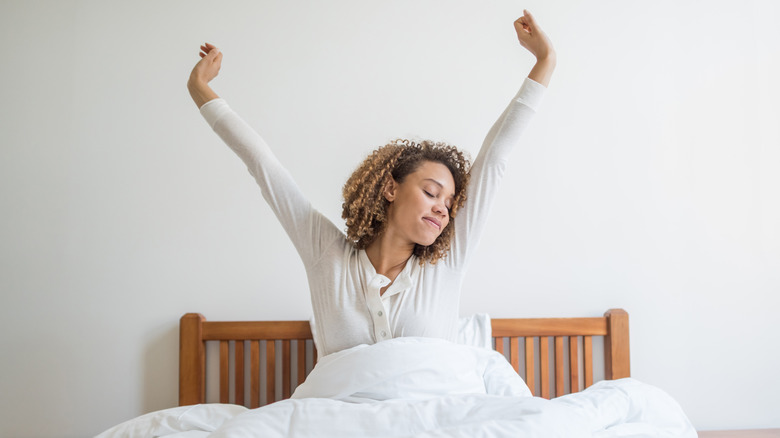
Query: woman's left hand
532, 37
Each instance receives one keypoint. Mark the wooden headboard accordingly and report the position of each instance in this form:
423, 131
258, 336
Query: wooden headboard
281, 354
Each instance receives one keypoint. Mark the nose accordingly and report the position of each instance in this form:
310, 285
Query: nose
439, 207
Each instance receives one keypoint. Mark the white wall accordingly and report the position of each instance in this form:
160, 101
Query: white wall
648, 181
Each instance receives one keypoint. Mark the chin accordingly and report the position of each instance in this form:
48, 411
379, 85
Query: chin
427, 242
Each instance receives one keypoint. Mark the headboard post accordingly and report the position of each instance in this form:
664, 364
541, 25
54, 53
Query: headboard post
618, 361
192, 360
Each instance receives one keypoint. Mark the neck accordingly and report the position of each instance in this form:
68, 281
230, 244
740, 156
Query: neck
389, 255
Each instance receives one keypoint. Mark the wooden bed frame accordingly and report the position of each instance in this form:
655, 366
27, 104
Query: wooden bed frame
241, 375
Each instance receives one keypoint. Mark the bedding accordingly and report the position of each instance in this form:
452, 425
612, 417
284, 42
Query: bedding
425, 387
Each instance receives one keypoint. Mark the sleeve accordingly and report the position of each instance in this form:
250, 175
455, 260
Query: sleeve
309, 230
488, 168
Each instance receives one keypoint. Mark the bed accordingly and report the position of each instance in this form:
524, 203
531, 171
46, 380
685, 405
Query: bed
563, 344
531, 377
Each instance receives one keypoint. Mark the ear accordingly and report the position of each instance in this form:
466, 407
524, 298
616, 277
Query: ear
390, 190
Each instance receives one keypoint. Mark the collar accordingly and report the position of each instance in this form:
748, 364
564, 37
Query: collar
377, 281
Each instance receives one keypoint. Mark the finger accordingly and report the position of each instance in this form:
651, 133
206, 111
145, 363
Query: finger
524, 38
522, 29
522, 22
529, 18
202, 55
211, 46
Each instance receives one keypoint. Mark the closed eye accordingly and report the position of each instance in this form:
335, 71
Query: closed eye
431, 195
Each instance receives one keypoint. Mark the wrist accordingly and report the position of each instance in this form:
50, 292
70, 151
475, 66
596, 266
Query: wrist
550, 58
543, 70
200, 92
196, 84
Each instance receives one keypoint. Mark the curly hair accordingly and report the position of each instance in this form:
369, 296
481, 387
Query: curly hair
365, 206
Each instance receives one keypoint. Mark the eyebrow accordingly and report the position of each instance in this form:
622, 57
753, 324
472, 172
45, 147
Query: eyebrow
438, 183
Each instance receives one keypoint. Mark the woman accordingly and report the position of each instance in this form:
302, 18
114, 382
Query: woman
399, 270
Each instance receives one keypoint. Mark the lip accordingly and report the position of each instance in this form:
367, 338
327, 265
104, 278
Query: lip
433, 222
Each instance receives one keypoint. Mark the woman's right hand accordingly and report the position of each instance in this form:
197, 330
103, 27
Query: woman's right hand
532, 37
204, 71
536, 41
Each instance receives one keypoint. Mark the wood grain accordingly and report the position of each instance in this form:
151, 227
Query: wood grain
559, 372
587, 353
514, 353
544, 367
574, 366
616, 348
224, 372
239, 374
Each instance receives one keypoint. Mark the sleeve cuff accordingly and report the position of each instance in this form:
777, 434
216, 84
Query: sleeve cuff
213, 110
531, 94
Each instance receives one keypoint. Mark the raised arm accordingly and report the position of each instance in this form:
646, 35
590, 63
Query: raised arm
488, 168
309, 230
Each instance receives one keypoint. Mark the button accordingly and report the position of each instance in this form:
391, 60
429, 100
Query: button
384, 334
379, 313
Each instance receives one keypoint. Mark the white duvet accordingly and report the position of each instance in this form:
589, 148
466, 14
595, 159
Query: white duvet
423, 387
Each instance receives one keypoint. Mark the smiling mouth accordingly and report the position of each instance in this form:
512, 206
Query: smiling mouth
432, 222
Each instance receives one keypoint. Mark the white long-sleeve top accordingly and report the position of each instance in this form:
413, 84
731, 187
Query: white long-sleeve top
344, 286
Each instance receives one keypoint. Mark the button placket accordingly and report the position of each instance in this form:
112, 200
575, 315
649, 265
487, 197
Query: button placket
377, 309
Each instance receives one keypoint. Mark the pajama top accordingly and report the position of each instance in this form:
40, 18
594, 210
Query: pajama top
345, 287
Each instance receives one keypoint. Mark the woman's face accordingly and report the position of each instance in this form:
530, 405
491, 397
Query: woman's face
419, 206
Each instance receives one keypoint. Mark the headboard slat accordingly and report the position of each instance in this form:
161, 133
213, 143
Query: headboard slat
514, 353
587, 353
500, 344
301, 361
574, 366
544, 367
254, 379
559, 364
239, 373
270, 371
286, 372
224, 372
529, 365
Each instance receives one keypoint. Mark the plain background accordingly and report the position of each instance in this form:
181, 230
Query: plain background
648, 181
